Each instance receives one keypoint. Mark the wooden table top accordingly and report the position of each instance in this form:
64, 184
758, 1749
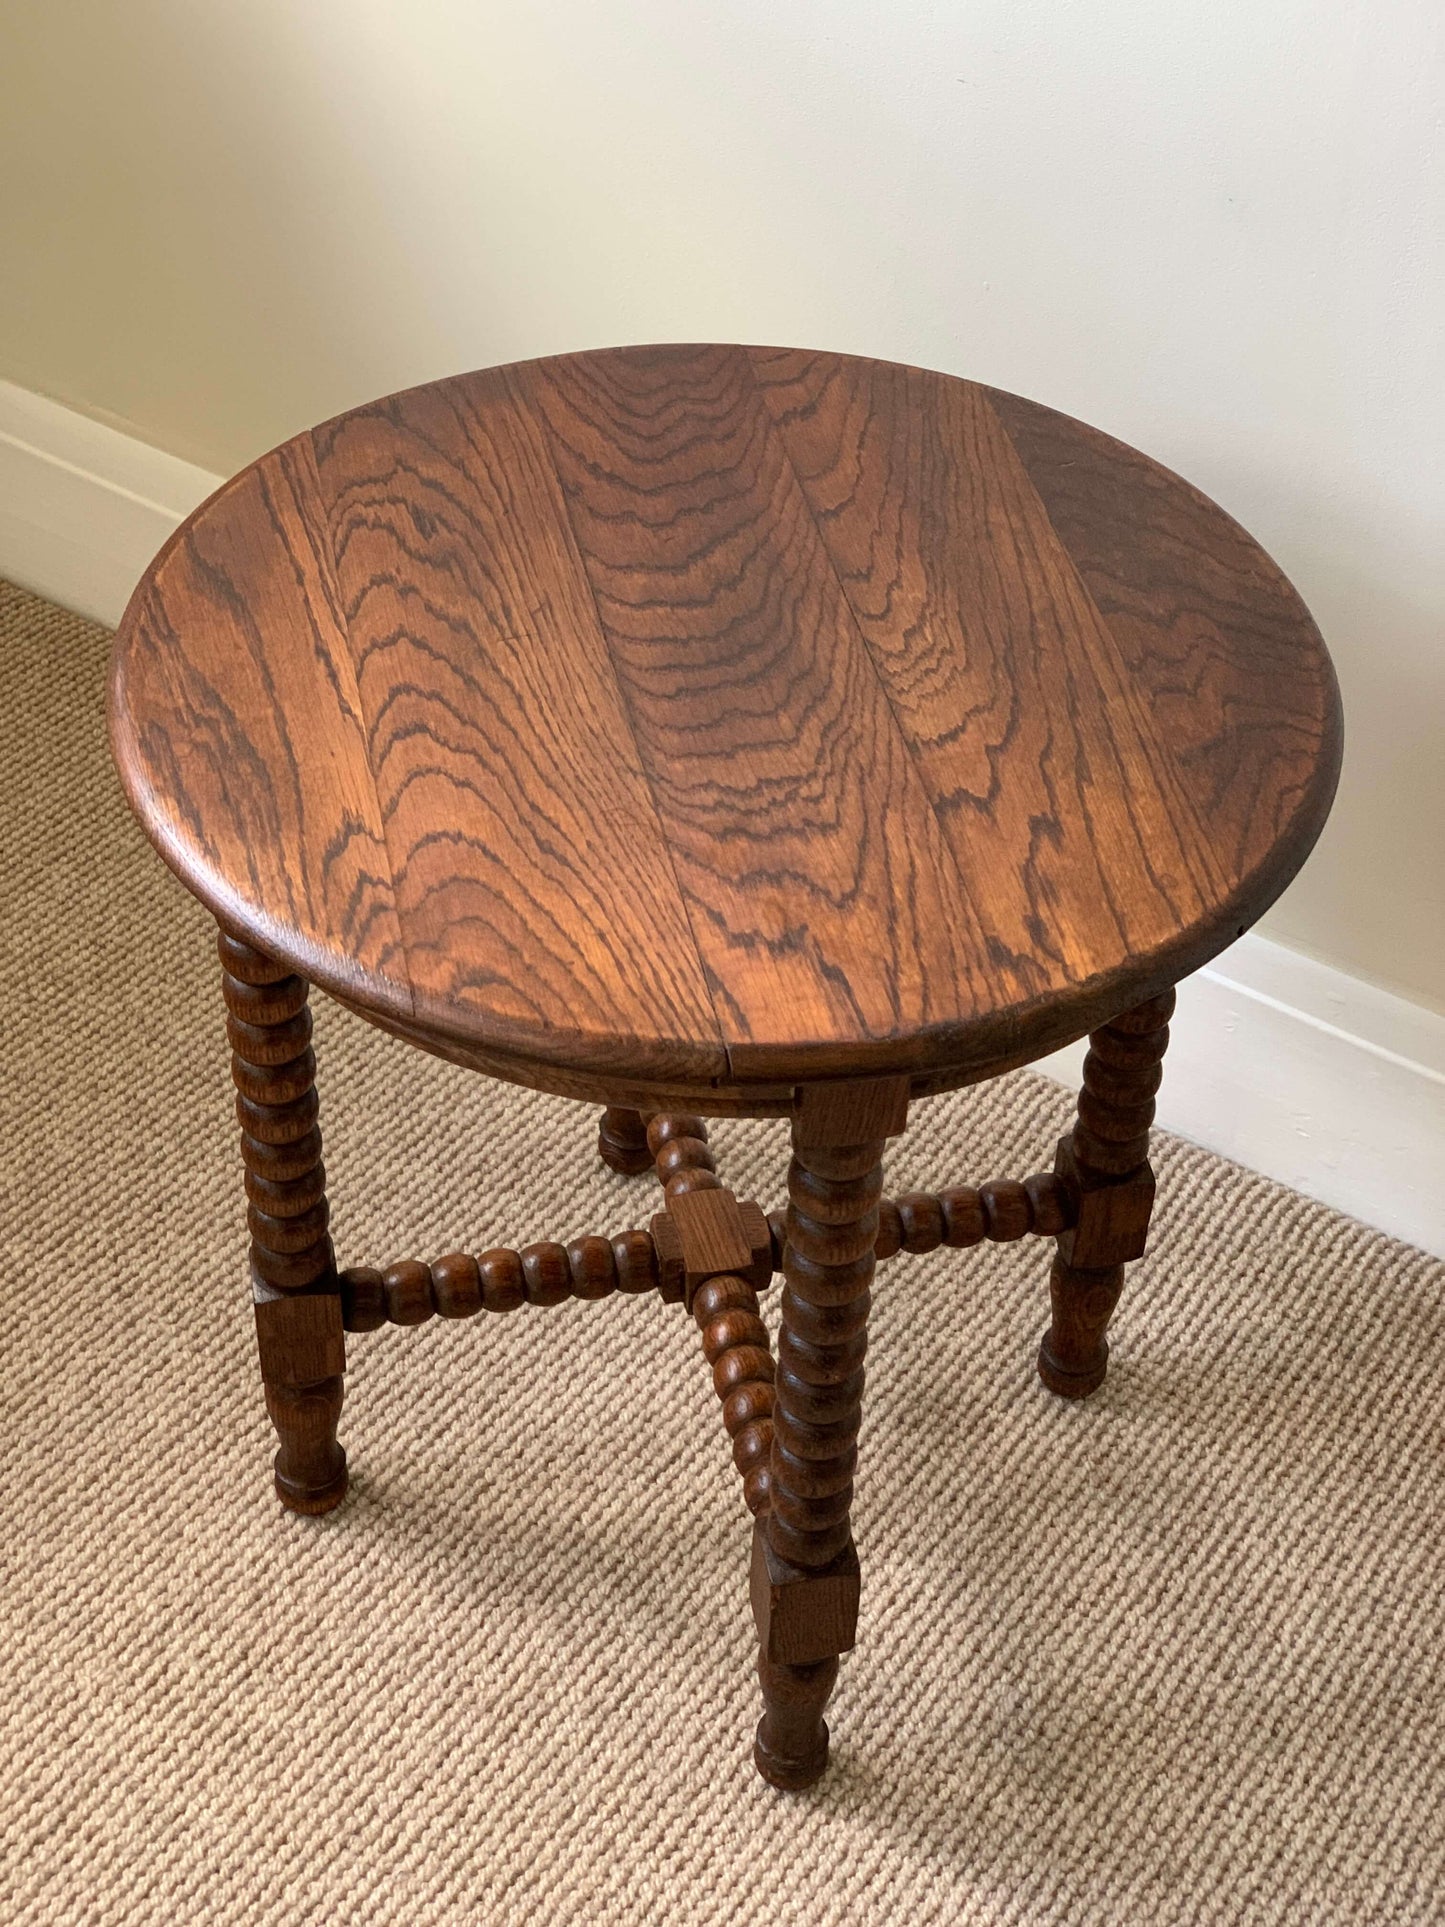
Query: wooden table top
725, 716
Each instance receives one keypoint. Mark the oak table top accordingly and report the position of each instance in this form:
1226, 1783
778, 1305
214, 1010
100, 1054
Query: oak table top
724, 717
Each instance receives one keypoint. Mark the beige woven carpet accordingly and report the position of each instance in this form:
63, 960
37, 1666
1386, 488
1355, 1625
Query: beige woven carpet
1172, 1655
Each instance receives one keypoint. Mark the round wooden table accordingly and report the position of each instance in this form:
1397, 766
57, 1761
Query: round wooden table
719, 730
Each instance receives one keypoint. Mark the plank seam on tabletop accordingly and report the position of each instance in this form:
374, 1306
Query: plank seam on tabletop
866, 653
1164, 773
523, 400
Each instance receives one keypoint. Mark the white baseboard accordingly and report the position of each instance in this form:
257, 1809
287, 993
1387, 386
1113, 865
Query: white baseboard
1315, 1078
1323, 1081
83, 508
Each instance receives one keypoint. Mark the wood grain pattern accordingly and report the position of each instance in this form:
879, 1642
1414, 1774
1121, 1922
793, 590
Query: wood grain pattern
708, 719
800, 830
531, 877
1179, 584
236, 727
1072, 837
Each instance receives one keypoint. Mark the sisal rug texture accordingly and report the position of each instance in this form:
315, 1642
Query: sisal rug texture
1172, 1655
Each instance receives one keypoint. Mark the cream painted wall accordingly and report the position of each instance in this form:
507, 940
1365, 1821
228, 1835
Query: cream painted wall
1214, 231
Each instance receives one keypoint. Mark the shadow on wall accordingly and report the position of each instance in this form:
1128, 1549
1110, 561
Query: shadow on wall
1362, 902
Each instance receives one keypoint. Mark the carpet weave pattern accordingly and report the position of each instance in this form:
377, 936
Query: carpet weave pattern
1172, 1655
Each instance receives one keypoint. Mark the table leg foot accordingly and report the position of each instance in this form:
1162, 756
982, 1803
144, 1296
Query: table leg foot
622, 1142
1067, 1379
791, 1749
310, 1466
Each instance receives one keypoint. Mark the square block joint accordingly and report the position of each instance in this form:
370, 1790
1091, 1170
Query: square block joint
803, 1616
851, 1112
1113, 1221
300, 1337
708, 1234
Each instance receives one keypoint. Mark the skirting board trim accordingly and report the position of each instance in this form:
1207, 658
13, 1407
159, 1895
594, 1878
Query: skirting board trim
1318, 1079
83, 508
1323, 1081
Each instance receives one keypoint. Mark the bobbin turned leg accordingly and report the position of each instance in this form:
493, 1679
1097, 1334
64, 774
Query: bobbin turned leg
622, 1142
1105, 1161
293, 1272
805, 1571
